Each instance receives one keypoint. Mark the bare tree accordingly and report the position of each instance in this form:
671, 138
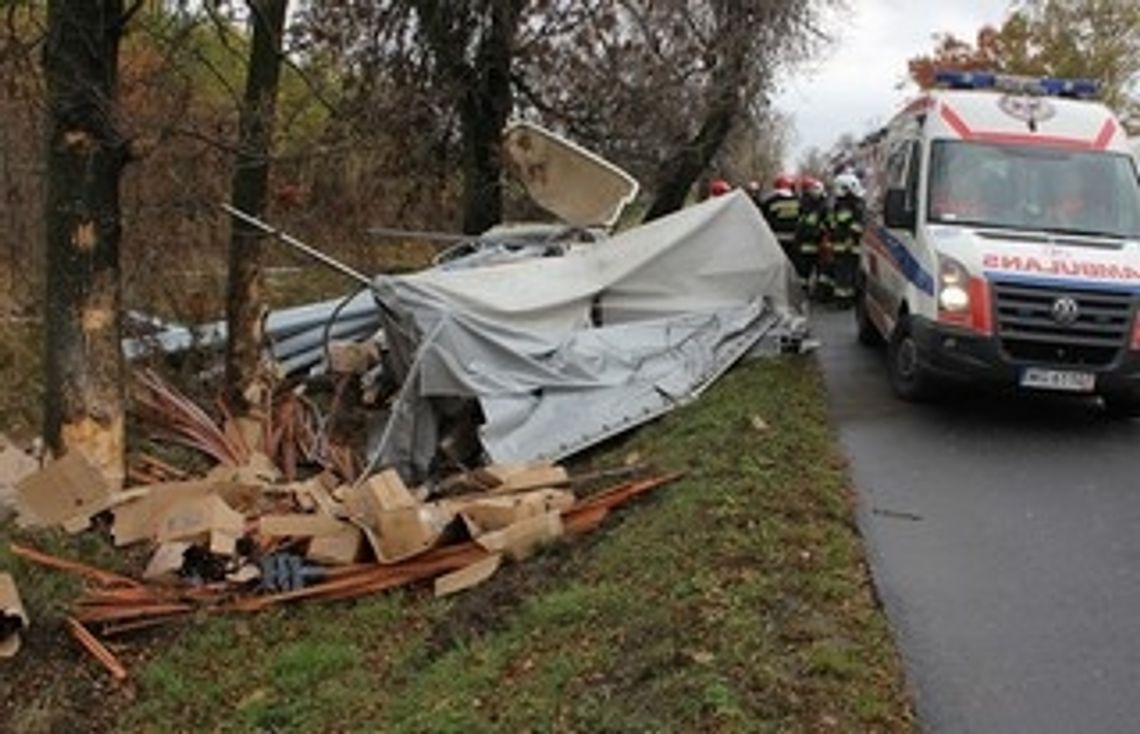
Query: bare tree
244, 299
472, 46
85, 158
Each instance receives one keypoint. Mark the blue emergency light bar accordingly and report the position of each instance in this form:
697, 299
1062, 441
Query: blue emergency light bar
1047, 86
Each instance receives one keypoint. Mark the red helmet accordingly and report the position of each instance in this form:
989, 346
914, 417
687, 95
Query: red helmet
784, 182
812, 185
719, 187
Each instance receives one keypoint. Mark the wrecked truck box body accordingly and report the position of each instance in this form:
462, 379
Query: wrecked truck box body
561, 353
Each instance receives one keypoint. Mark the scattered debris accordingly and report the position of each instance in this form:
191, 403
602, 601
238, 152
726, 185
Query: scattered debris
13, 618
66, 493
214, 583
461, 387
287, 572
468, 576
896, 514
15, 466
97, 649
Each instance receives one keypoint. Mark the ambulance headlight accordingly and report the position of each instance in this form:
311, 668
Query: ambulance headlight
953, 281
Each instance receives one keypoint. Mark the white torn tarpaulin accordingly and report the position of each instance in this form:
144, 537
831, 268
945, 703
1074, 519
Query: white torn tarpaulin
561, 353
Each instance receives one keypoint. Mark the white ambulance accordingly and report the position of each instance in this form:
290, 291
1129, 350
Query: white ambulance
1003, 241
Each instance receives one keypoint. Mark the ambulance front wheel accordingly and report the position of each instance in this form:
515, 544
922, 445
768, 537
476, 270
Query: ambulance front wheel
1122, 405
909, 379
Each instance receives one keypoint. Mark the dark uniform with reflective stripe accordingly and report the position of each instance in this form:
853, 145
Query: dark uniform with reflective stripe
810, 230
845, 229
781, 209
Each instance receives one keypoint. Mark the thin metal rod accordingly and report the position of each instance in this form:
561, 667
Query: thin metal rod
299, 245
419, 234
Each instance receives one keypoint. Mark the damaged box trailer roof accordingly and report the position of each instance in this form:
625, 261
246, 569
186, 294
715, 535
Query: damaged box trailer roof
561, 353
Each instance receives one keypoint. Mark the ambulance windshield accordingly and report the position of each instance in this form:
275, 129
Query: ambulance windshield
1034, 188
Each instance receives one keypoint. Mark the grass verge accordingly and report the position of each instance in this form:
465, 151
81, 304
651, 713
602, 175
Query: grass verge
736, 599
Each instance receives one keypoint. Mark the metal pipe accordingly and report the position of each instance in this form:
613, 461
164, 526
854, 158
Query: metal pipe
299, 245
420, 234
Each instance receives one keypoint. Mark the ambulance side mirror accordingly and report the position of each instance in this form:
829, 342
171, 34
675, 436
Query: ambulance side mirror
895, 212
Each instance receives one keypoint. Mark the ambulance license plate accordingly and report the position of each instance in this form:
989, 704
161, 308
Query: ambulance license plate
1063, 380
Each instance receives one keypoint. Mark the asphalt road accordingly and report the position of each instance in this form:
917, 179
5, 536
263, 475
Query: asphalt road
1004, 536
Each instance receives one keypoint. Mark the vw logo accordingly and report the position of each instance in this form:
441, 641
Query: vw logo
1066, 311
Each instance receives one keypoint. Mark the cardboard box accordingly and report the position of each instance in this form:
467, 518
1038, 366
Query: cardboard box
202, 518
66, 492
337, 549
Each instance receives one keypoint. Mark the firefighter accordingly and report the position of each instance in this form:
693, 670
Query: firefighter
845, 236
811, 228
781, 209
719, 187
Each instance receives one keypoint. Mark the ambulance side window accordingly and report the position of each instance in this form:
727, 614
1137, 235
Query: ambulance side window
913, 176
896, 166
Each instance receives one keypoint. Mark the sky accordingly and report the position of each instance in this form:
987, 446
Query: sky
853, 86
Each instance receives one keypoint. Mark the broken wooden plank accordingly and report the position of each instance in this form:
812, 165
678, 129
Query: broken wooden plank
97, 649
99, 576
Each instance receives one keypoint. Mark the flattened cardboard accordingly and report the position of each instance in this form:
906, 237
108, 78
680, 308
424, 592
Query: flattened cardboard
138, 520
202, 517
296, 525
401, 534
395, 523
338, 549
468, 576
487, 514
65, 492
520, 540
506, 478
166, 561
12, 615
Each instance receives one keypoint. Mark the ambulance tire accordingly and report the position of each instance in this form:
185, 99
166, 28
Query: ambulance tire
867, 333
908, 379
1122, 405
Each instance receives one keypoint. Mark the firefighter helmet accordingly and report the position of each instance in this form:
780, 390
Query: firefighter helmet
846, 184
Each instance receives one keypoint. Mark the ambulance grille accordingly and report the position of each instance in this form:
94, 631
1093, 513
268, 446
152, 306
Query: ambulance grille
1030, 332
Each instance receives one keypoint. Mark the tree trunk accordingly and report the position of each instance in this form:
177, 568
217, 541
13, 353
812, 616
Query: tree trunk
680, 172
725, 99
244, 293
483, 112
83, 405
483, 91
